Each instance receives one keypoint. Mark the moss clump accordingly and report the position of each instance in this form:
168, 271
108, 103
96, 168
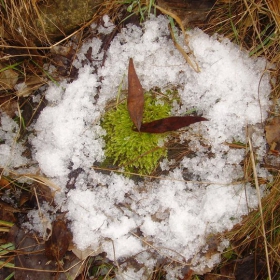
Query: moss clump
136, 152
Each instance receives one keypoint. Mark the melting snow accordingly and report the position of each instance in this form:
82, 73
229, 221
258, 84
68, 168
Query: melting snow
175, 216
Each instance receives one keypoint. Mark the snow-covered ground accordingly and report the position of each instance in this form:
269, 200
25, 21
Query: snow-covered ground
169, 217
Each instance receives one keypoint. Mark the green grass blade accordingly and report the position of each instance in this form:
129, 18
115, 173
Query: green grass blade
48, 75
6, 224
8, 265
10, 276
235, 31
6, 248
266, 42
13, 66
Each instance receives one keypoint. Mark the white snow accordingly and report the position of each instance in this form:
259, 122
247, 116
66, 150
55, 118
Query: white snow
107, 26
174, 215
10, 151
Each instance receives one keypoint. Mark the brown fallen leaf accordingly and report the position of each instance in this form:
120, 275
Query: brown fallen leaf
135, 99
8, 78
32, 263
273, 131
29, 86
7, 212
9, 104
58, 243
169, 124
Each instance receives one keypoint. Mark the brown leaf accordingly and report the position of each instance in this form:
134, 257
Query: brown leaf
8, 104
169, 124
8, 78
29, 86
135, 99
58, 243
7, 212
273, 131
251, 267
32, 263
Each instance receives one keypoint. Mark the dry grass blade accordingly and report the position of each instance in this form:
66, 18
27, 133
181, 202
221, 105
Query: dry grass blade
274, 7
194, 65
253, 20
33, 177
16, 19
25, 24
165, 178
260, 207
41, 179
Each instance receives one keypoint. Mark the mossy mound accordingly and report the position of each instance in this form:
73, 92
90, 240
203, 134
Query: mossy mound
136, 151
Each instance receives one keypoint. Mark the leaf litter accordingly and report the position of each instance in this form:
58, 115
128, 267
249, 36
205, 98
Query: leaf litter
174, 215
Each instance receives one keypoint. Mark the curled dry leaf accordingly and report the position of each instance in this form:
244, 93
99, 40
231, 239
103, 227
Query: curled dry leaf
135, 99
169, 124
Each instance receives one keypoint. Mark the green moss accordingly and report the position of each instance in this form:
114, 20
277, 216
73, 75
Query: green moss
136, 152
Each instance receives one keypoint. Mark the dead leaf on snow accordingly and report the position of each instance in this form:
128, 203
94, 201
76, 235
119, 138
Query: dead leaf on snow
135, 99
169, 124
